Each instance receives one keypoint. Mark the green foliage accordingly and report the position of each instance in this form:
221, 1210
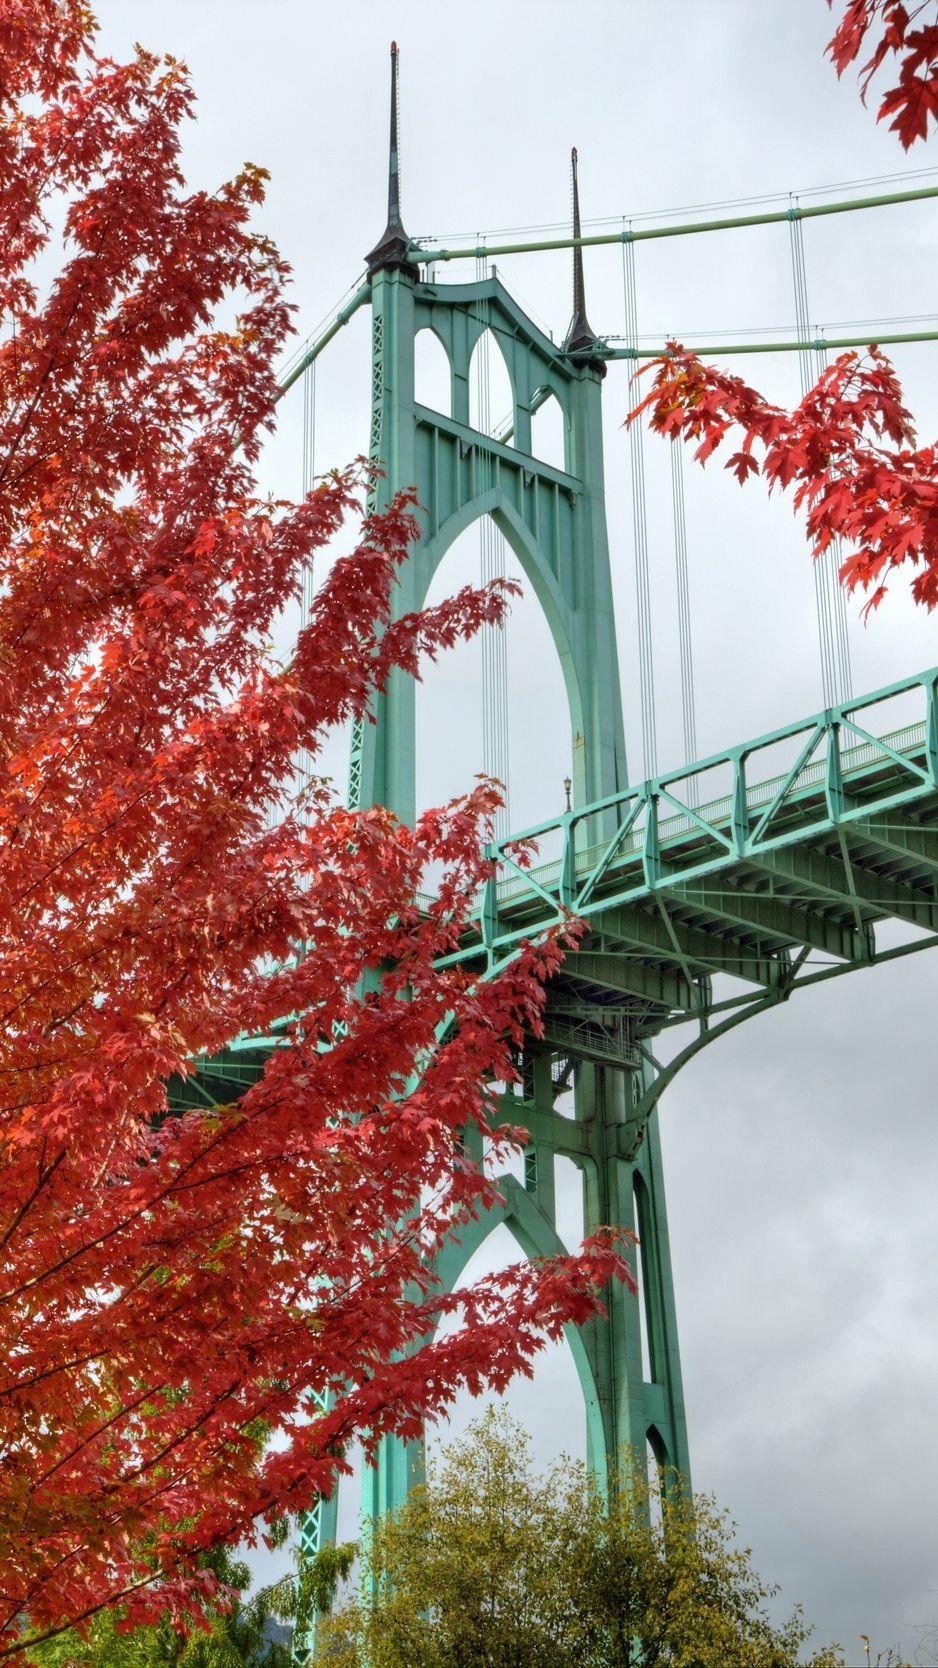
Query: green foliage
488, 1566
238, 1638
311, 1593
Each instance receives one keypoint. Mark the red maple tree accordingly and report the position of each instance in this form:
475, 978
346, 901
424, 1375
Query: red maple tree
895, 31
849, 451
173, 1287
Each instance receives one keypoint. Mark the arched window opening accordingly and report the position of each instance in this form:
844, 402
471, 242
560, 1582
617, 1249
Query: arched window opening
562, 1071
550, 1405
527, 707
433, 383
568, 1201
641, 1296
548, 429
504, 1161
654, 1464
491, 395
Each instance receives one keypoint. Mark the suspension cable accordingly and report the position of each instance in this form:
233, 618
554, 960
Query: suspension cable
307, 585
646, 669
685, 640
830, 601
495, 734
844, 683
753, 201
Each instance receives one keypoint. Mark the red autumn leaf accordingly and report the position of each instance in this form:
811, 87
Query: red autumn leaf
743, 464
914, 100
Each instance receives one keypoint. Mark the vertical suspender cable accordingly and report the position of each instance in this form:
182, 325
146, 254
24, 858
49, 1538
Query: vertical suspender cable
310, 1522
495, 741
833, 640
685, 640
305, 762
646, 668
833, 557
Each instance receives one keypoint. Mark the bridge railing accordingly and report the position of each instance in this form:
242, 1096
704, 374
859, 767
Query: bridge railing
660, 833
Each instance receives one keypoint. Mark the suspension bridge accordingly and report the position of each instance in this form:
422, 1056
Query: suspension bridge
710, 893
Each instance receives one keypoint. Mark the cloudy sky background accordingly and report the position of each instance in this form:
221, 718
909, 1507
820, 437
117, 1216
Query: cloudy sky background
800, 1151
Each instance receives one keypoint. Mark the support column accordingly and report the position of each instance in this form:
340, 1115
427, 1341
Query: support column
635, 1410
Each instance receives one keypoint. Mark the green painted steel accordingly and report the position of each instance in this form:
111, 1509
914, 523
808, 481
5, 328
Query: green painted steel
554, 520
820, 343
690, 228
778, 881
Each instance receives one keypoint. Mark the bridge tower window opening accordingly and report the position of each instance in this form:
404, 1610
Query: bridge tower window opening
452, 747
433, 377
550, 430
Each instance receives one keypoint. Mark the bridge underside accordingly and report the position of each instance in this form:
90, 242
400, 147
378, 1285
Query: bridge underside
703, 911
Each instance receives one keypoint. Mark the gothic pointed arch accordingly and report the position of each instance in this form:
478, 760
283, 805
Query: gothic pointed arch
433, 371
535, 1234
492, 393
551, 438
537, 569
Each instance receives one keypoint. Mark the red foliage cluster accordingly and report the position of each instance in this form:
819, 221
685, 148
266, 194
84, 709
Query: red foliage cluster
170, 1285
914, 100
847, 451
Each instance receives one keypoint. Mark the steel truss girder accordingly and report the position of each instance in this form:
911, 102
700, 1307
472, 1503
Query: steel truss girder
590, 1031
837, 879
626, 977
779, 917
685, 948
646, 849
909, 840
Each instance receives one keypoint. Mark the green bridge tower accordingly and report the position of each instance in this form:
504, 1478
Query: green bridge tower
555, 522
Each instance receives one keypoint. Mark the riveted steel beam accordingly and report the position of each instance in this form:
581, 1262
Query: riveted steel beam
779, 917
681, 946
628, 977
828, 877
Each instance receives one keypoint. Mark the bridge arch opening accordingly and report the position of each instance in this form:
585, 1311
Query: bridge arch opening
642, 1223
470, 692
550, 430
433, 379
491, 390
561, 1381
656, 1460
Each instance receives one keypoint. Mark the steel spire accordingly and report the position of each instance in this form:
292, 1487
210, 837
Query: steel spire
580, 337
393, 249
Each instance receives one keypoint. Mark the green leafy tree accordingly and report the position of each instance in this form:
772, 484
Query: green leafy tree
241, 1637
490, 1566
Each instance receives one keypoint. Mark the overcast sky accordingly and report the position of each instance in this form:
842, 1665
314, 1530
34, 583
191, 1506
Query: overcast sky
800, 1151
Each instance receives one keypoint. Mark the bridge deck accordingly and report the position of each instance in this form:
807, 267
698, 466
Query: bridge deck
775, 881
705, 905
